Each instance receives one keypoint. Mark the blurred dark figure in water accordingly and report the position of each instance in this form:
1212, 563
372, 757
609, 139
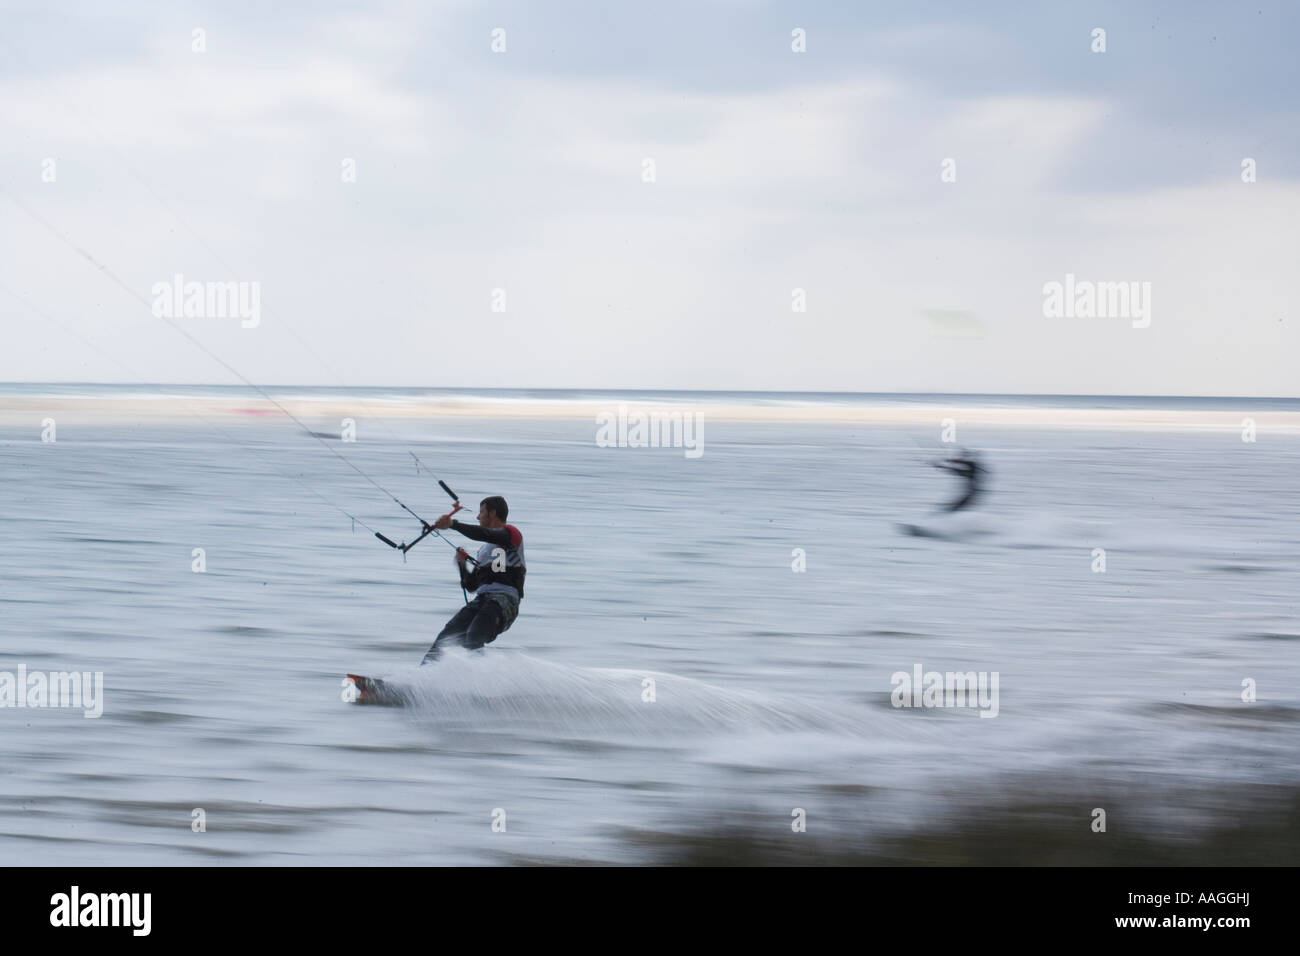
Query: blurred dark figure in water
966, 466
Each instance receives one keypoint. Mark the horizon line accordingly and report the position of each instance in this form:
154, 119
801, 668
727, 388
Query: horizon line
719, 391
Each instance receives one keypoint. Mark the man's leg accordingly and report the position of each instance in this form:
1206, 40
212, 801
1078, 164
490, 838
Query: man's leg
455, 631
485, 626
960, 503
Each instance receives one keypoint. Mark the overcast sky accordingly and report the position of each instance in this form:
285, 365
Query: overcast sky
523, 171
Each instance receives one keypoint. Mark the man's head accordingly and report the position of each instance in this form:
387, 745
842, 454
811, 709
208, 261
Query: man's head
492, 512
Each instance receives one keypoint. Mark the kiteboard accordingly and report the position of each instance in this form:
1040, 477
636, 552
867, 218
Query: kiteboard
917, 531
964, 527
373, 691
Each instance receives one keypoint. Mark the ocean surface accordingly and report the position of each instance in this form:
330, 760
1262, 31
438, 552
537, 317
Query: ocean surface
671, 676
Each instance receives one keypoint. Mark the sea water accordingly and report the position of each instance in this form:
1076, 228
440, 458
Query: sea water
702, 641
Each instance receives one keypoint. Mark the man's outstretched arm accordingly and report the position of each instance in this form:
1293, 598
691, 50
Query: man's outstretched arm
501, 537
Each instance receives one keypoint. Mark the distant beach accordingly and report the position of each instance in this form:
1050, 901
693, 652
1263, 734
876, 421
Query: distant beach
29, 404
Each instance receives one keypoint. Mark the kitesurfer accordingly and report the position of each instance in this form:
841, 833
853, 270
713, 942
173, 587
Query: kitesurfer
497, 579
965, 466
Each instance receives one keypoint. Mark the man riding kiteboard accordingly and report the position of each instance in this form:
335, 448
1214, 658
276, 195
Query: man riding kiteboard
498, 583
966, 466
497, 579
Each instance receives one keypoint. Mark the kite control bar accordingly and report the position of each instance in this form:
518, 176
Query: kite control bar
428, 529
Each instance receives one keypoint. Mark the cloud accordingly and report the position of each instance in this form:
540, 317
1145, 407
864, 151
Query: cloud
476, 176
